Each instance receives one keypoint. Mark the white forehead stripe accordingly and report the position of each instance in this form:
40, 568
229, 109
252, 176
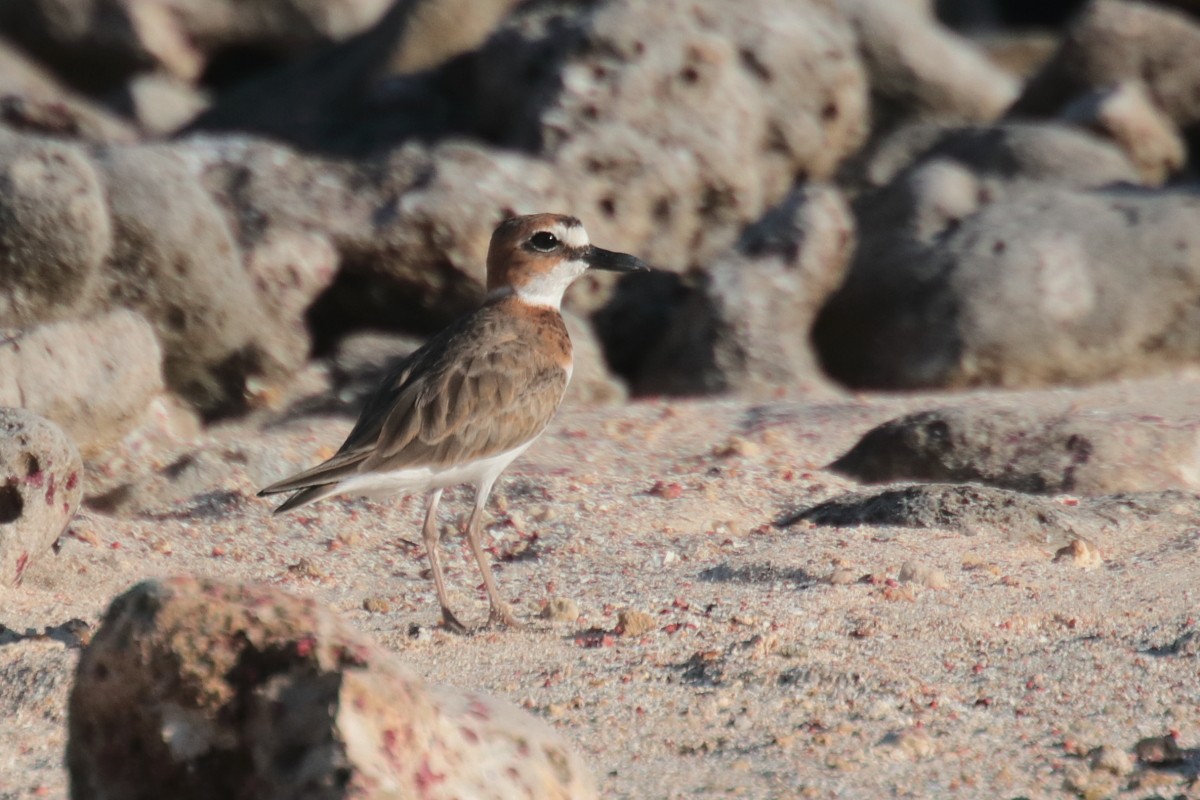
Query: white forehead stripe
573, 236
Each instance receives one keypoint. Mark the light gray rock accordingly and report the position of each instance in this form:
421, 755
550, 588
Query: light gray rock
41, 483
54, 229
35, 102
291, 701
175, 261
1010, 151
968, 282
919, 69
698, 122
94, 377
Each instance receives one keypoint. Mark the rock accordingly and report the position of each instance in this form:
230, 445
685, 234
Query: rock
439, 231
94, 377
289, 270
162, 103
742, 323
1159, 750
32, 101
1112, 42
602, 108
289, 700
714, 114
560, 609
1041, 286
1008, 152
631, 622
1126, 114
1112, 759
54, 229
1031, 449
919, 68
102, 47
1081, 553
967, 508
174, 260
40, 488
923, 574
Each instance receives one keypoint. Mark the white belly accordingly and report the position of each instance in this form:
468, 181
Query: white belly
424, 479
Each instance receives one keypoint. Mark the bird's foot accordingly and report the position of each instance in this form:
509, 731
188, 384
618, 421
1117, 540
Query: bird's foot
451, 623
502, 617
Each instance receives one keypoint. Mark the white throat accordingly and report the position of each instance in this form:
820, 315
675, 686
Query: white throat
547, 289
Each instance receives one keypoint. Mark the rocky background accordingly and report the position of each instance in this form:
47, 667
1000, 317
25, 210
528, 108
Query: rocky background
221, 221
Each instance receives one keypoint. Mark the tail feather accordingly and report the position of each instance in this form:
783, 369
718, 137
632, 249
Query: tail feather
313, 484
306, 496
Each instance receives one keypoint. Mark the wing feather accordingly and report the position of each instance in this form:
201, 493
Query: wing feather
473, 391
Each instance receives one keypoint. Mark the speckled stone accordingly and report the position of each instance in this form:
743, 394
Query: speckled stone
40, 488
201, 689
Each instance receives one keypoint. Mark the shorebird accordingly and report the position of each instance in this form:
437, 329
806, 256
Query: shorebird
461, 408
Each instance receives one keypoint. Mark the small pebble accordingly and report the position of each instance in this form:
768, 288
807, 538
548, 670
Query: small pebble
560, 609
376, 605
925, 576
843, 577
1158, 750
634, 623
1081, 553
1112, 759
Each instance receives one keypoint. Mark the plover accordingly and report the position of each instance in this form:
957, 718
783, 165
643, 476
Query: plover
476, 396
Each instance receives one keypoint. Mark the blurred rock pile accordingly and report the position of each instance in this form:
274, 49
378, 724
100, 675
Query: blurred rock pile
200, 198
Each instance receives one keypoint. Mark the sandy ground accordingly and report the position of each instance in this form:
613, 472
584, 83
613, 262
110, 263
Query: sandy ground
759, 677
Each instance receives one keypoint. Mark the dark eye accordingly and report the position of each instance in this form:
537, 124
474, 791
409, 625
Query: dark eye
543, 241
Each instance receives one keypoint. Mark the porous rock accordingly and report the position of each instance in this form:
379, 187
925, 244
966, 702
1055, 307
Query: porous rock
54, 229
670, 142
94, 376
40, 488
198, 689
739, 100
742, 323
174, 260
1041, 285
1032, 450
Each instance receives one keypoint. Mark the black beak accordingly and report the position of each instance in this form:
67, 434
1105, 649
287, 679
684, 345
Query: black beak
597, 258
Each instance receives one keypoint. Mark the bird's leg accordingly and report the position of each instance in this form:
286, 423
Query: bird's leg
430, 533
500, 614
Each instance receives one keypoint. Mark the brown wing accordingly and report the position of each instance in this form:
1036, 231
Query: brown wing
476, 389
488, 392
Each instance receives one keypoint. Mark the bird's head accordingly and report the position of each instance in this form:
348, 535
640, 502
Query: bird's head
537, 257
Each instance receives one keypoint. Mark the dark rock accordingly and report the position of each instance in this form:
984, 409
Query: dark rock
1031, 450
969, 509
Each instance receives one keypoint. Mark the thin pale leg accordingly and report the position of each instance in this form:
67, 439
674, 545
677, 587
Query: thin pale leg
500, 614
430, 534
